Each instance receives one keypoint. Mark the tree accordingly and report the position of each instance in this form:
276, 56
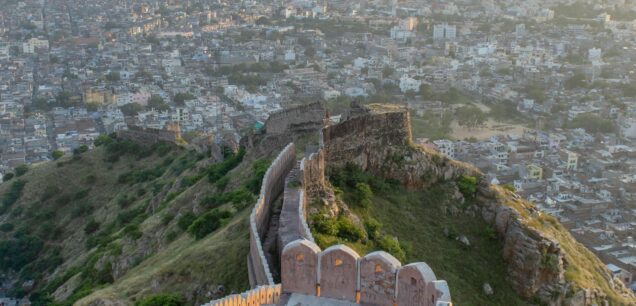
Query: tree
310, 52
7, 177
157, 103
426, 91
387, 71
131, 109
592, 123
180, 98
21, 170
113, 76
63, 99
470, 116
57, 154
576, 81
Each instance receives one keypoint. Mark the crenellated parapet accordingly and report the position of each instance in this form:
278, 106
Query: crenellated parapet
263, 295
273, 183
340, 273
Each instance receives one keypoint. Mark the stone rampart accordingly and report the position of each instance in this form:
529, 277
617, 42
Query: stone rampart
273, 183
375, 279
379, 141
263, 295
297, 119
150, 136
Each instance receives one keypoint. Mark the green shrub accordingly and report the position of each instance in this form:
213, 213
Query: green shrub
57, 154
467, 186
166, 218
348, 230
90, 179
49, 192
18, 252
364, 195
324, 224
218, 170
392, 246
81, 209
81, 194
372, 226
91, 227
21, 170
14, 194
6, 227
171, 236
185, 220
162, 300
102, 140
222, 183
128, 216
123, 200
189, 181
259, 168
7, 177
133, 231
508, 187
240, 198
208, 223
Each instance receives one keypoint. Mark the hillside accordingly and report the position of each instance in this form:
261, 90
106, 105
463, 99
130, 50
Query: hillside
124, 221
386, 193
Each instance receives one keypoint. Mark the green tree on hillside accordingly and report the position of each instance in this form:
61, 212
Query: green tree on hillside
470, 116
157, 103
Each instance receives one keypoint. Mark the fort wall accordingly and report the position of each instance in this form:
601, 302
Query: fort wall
273, 183
301, 118
150, 136
374, 280
263, 295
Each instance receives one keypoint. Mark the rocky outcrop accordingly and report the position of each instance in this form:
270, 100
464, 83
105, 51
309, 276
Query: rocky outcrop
378, 140
535, 261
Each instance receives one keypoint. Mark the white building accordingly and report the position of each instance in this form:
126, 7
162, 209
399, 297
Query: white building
31, 45
594, 54
445, 147
444, 31
409, 84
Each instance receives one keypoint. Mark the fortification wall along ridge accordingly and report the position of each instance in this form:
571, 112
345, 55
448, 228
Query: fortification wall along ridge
273, 183
151, 136
301, 118
375, 279
263, 295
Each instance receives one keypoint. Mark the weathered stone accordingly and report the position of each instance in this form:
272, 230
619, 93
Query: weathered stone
377, 278
464, 240
487, 289
299, 267
338, 273
413, 285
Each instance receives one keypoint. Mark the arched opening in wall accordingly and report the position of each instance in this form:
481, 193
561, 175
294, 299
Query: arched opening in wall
378, 268
338, 262
413, 281
300, 258
432, 299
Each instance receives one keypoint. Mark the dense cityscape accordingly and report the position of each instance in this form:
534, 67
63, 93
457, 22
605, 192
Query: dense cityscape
539, 95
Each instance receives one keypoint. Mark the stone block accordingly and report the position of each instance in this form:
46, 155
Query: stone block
299, 267
413, 285
338, 273
378, 272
